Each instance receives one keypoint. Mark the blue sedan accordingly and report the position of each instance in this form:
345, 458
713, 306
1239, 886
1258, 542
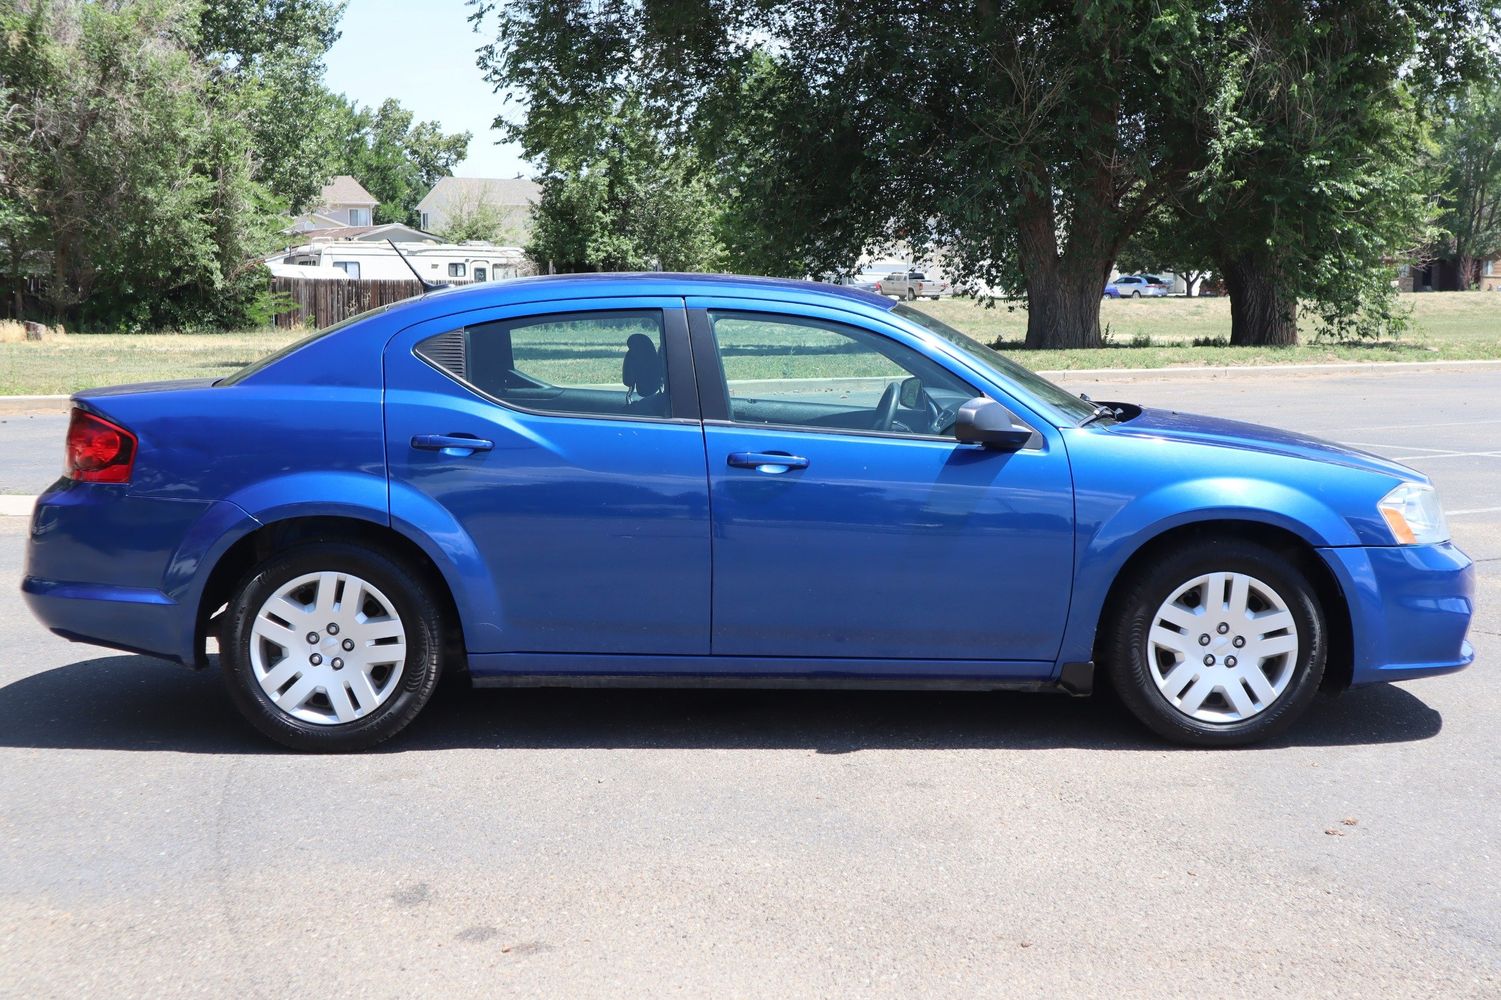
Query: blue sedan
696, 480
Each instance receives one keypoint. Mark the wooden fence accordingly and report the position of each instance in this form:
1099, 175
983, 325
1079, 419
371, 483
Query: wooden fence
320, 302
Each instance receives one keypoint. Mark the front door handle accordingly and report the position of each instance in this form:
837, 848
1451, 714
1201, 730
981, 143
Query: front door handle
453, 445
774, 462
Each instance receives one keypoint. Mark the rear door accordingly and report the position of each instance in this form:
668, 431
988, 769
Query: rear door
557, 447
848, 522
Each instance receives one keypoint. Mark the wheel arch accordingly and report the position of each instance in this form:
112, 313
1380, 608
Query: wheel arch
256, 546
1339, 665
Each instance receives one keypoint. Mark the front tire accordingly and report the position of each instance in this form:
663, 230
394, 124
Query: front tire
331, 647
1220, 644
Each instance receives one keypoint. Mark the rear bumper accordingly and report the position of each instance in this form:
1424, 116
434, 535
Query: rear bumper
126, 572
1410, 607
128, 618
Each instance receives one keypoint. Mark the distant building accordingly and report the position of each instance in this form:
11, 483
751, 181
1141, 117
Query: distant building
513, 199
345, 211
1443, 275
342, 202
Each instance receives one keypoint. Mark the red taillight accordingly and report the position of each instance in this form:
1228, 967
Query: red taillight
98, 451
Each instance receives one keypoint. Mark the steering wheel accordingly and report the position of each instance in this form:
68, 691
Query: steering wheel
887, 407
940, 419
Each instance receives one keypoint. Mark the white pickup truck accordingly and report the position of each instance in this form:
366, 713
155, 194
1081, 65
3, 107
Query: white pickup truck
912, 285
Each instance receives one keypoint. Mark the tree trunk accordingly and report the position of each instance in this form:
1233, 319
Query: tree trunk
1064, 311
1464, 272
1262, 312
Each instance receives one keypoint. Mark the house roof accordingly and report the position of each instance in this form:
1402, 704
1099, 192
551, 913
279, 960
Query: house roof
345, 190
400, 232
500, 191
308, 221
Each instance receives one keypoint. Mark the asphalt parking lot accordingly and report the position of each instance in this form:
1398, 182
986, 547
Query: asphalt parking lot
769, 844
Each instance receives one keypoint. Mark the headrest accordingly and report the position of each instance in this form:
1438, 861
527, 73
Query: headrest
642, 369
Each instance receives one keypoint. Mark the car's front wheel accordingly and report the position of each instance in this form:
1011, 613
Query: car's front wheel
1221, 644
331, 647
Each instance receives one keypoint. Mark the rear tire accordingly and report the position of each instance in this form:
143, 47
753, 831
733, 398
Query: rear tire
341, 684
1260, 666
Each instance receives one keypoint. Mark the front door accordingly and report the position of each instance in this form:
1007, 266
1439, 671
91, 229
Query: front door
559, 453
848, 523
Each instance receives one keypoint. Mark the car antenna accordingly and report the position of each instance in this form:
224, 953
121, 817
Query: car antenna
427, 286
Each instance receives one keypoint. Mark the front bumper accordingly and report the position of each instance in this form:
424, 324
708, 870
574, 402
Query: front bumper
1410, 607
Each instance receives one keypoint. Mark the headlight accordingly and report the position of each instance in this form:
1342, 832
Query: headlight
1413, 513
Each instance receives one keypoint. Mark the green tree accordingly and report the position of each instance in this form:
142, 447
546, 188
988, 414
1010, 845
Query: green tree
1309, 185
267, 56
620, 202
1469, 162
1159, 245
127, 179
1025, 138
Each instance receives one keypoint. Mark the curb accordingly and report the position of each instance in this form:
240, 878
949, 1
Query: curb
1374, 366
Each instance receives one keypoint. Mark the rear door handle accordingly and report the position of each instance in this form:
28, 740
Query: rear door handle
774, 462
455, 445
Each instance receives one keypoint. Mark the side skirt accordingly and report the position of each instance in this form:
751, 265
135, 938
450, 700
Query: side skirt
495, 670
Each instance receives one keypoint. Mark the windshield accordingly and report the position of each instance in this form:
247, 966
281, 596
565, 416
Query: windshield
296, 345
1059, 398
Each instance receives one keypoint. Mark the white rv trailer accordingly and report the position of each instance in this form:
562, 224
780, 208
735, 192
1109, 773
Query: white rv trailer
438, 262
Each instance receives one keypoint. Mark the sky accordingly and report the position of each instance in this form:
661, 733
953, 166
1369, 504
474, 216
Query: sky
422, 54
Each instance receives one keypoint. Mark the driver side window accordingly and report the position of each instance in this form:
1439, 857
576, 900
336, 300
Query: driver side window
801, 372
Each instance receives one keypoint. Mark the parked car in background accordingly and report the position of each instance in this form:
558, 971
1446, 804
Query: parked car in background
866, 281
1137, 286
912, 285
704, 480
1112, 291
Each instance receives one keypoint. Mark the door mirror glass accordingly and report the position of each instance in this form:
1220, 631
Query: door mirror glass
985, 422
911, 393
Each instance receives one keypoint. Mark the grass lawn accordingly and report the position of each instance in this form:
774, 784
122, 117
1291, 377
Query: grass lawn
1449, 325
1445, 326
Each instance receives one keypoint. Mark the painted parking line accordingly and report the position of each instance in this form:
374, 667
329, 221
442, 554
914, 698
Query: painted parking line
16, 506
1447, 454
1472, 510
1397, 447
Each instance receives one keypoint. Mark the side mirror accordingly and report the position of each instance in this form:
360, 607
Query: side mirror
910, 394
985, 422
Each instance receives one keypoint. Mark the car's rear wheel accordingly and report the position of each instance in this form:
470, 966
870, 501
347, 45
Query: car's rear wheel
331, 647
1221, 644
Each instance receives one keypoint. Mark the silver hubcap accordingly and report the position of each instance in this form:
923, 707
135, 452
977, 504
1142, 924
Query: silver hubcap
1223, 647
328, 648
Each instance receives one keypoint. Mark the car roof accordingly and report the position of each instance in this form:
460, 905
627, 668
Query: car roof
478, 295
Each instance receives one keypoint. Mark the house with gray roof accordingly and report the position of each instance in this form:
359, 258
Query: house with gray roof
345, 202
513, 200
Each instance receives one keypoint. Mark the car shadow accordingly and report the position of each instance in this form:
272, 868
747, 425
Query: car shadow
139, 703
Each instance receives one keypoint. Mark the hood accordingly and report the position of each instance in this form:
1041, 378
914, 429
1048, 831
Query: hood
1191, 428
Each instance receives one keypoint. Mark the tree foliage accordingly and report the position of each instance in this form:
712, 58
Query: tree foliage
395, 157
1028, 139
1468, 162
127, 177
151, 150
1025, 138
613, 199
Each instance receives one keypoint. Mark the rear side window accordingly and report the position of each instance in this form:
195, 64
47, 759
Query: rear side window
587, 364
